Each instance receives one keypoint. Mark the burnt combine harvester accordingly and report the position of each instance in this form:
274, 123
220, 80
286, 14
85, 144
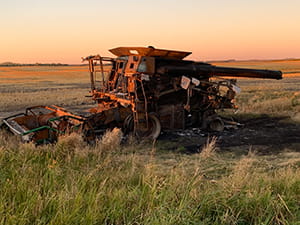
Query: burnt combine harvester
143, 90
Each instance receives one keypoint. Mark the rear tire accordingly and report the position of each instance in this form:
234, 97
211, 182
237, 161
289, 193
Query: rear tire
216, 124
154, 128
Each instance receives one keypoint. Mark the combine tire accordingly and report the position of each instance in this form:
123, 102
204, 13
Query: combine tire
154, 128
216, 124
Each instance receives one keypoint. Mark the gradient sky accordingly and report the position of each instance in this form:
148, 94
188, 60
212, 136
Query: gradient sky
65, 30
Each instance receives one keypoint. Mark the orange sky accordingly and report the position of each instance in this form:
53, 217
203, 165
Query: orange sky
65, 30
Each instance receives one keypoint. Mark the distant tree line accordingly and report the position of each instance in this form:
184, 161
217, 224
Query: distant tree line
32, 64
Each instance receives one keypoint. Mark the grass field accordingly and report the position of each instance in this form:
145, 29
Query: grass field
22, 87
153, 183
71, 183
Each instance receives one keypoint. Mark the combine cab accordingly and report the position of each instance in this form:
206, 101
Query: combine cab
144, 91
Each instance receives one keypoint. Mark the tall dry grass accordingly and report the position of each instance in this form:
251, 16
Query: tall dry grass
72, 183
111, 140
209, 149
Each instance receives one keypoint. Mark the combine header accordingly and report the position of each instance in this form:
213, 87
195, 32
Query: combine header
43, 124
142, 90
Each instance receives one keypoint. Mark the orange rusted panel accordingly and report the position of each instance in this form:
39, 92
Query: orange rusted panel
150, 51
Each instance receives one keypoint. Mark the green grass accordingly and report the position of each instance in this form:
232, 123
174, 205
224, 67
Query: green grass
71, 183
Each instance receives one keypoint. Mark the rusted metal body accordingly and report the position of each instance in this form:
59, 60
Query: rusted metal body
145, 90
142, 90
43, 124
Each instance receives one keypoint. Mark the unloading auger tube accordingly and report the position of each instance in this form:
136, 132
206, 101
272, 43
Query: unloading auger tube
208, 70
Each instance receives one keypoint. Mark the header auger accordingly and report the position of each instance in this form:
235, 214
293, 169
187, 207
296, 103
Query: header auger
143, 90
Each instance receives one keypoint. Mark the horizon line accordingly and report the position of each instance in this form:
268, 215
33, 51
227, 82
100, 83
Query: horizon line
7, 63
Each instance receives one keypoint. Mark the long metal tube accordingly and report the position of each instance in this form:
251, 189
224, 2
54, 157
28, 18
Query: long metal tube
207, 70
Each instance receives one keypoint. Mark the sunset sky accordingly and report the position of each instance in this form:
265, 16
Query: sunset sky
65, 30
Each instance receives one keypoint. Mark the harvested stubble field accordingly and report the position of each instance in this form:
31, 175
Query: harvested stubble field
248, 175
22, 86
